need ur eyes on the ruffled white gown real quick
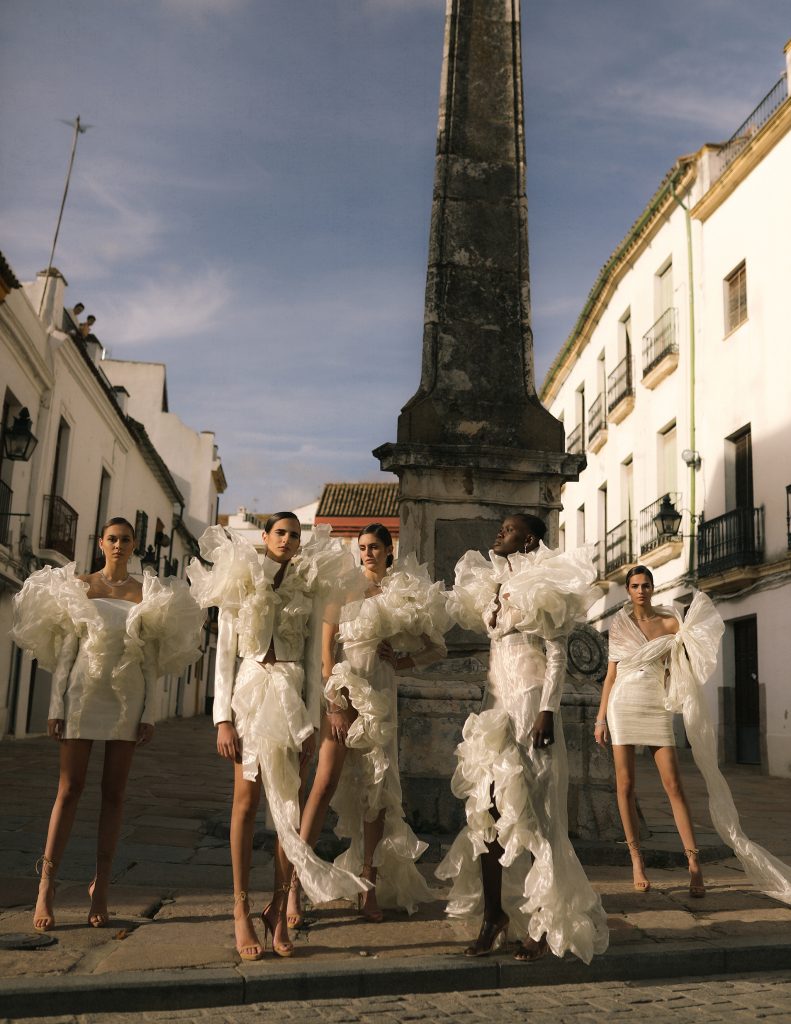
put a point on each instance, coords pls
(275, 707)
(105, 655)
(536, 599)
(691, 655)
(409, 612)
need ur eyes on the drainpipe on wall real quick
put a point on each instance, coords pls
(692, 445)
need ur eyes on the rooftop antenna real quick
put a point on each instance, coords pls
(79, 129)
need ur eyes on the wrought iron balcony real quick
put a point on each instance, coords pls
(618, 547)
(619, 384)
(6, 494)
(731, 541)
(576, 442)
(646, 527)
(597, 418)
(660, 340)
(58, 526)
(598, 558)
(776, 96)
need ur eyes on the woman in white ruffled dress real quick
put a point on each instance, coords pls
(512, 768)
(396, 621)
(106, 639)
(658, 665)
(267, 707)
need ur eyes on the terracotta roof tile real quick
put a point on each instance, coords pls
(373, 501)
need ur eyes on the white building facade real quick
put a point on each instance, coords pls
(675, 382)
(92, 460)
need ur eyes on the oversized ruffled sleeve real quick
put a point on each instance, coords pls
(51, 606)
(414, 608)
(234, 571)
(168, 621)
(328, 565)
(473, 591)
(547, 592)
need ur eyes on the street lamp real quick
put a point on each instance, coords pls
(668, 519)
(18, 440)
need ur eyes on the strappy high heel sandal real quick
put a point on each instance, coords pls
(368, 874)
(697, 890)
(643, 885)
(45, 869)
(248, 950)
(491, 935)
(96, 918)
(294, 920)
(529, 954)
(284, 949)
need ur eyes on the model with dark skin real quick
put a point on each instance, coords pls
(513, 536)
(112, 581)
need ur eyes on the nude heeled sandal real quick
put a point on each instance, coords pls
(697, 890)
(368, 874)
(249, 950)
(45, 869)
(284, 949)
(634, 847)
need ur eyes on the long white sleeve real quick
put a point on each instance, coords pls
(151, 678)
(60, 676)
(224, 668)
(554, 675)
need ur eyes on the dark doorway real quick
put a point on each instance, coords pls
(747, 705)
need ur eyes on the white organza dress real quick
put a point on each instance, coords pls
(691, 655)
(533, 601)
(275, 707)
(409, 612)
(105, 655)
(636, 709)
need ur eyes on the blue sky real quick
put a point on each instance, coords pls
(252, 204)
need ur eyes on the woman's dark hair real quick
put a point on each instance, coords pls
(536, 526)
(116, 521)
(639, 570)
(276, 519)
(380, 531)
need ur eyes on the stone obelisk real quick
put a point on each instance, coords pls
(474, 441)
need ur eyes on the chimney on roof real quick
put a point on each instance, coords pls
(122, 398)
(94, 348)
(51, 287)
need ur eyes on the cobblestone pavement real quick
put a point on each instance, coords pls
(727, 999)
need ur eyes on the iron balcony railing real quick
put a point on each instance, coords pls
(646, 528)
(59, 525)
(576, 442)
(731, 541)
(776, 96)
(597, 419)
(619, 383)
(618, 547)
(6, 494)
(660, 340)
(597, 557)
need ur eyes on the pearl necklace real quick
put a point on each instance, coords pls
(116, 583)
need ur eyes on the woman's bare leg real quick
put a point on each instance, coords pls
(667, 763)
(294, 908)
(115, 773)
(74, 756)
(372, 836)
(623, 757)
(275, 913)
(246, 797)
(328, 772)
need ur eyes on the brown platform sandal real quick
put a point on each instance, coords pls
(697, 890)
(284, 949)
(45, 869)
(248, 950)
(491, 935)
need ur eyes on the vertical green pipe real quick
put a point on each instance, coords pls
(692, 444)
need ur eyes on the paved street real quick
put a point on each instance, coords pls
(701, 1001)
(171, 929)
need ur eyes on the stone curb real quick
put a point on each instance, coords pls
(274, 982)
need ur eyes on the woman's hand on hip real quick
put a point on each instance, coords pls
(228, 741)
